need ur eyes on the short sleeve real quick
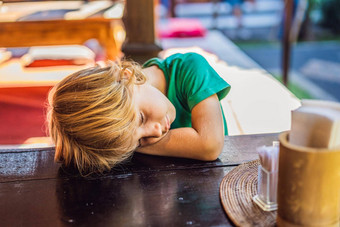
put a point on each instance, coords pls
(200, 80)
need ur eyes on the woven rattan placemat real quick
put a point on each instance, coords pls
(237, 190)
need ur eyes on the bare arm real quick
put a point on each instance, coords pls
(204, 141)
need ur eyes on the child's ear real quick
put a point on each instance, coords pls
(126, 74)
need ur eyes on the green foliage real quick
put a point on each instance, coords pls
(313, 4)
(330, 10)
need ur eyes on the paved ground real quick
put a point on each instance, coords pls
(316, 63)
(315, 66)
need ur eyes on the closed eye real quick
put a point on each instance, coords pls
(141, 118)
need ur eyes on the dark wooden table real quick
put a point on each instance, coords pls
(146, 191)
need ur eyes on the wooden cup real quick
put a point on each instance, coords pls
(308, 185)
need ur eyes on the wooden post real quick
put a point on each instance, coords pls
(172, 5)
(139, 20)
(286, 44)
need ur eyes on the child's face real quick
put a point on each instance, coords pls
(155, 112)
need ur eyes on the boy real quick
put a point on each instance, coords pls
(171, 107)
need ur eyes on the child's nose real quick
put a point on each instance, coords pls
(155, 130)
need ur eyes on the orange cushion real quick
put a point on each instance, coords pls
(58, 56)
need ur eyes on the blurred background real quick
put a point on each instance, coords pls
(41, 42)
(256, 27)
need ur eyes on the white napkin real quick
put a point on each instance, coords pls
(316, 124)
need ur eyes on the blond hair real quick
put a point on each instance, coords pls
(91, 116)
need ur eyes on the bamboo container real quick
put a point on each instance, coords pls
(308, 185)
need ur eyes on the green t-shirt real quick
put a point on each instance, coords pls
(190, 79)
